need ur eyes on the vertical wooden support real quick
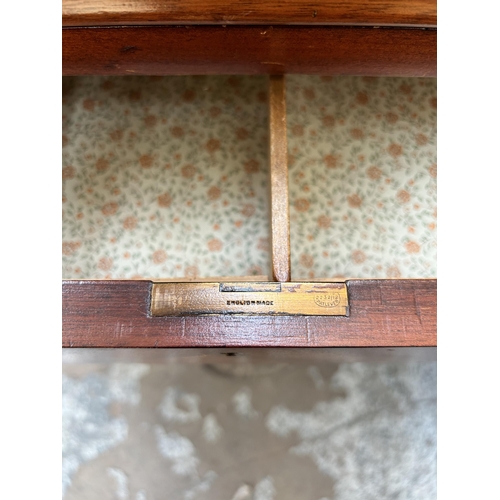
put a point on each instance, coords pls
(278, 167)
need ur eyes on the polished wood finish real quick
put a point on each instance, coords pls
(292, 36)
(170, 50)
(147, 12)
(383, 313)
(278, 181)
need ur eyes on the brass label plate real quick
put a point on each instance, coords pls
(249, 298)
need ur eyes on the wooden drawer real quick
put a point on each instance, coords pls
(383, 313)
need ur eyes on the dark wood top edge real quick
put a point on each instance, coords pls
(134, 23)
(234, 12)
(252, 26)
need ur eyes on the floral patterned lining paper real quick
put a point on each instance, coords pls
(362, 159)
(167, 177)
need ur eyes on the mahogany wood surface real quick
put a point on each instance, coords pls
(358, 12)
(278, 181)
(383, 313)
(183, 50)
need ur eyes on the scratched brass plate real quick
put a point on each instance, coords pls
(249, 298)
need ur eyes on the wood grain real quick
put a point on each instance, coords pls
(383, 313)
(357, 12)
(278, 181)
(170, 50)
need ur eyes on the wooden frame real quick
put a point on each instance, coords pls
(156, 37)
(386, 316)
(417, 13)
(383, 313)
(184, 50)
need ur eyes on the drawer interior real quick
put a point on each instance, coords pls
(167, 177)
(362, 172)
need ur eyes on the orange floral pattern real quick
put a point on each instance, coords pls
(167, 177)
(363, 176)
(164, 177)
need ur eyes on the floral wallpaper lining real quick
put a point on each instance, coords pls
(167, 177)
(164, 177)
(362, 166)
